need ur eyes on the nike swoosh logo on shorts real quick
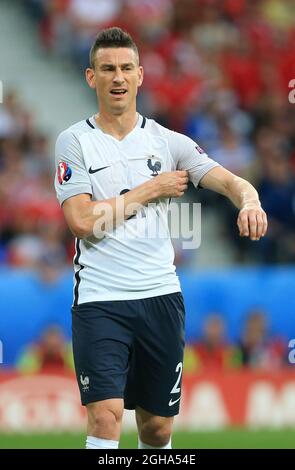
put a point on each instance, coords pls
(97, 169)
(171, 402)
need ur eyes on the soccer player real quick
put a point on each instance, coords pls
(116, 173)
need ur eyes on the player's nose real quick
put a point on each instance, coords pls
(118, 76)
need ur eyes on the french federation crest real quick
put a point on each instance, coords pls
(154, 167)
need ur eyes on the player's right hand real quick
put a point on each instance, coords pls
(171, 184)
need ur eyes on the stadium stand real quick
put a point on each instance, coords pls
(226, 67)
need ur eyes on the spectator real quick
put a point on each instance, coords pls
(212, 352)
(277, 194)
(232, 152)
(51, 354)
(259, 351)
(85, 18)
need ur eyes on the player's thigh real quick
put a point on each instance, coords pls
(101, 347)
(158, 356)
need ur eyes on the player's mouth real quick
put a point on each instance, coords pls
(118, 91)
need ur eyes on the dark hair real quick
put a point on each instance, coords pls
(111, 37)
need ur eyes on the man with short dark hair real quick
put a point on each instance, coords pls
(116, 173)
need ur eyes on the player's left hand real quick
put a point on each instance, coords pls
(252, 221)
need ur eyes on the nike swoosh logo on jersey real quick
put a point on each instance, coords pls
(97, 169)
(171, 402)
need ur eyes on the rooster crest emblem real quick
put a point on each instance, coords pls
(156, 167)
(85, 382)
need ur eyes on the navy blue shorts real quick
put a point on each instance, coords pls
(131, 349)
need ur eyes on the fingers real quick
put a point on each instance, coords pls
(183, 179)
(182, 172)
(180, 190)
(243, 224)
(253, 226)
(175, 176)
(172, 184)
(261, 225)
(264, 226)
(182, 176)
(182, 187)
(252, 223)
(181, 183)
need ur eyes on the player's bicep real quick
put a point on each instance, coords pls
(189, 156)
(74, 209)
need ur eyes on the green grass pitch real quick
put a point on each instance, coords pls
(226, 439)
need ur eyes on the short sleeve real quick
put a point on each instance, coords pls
(71, 176)
(187, 155)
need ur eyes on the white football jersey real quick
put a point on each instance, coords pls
(135, 259)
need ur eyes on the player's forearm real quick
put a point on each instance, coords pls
(242, 193)
(95, 217)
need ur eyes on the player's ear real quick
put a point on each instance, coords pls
(140, 75)
(90, 77)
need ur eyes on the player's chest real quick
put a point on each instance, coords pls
(115, 166)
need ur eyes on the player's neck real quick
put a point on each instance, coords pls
(117, 126)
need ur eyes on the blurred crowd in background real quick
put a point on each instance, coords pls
(212, 351)
(215, 70)
(255, 349)
(33, 232)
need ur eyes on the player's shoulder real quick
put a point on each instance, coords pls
(173, 137)
(75, 131)
(154, 127)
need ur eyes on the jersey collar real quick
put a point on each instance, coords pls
(141, 120)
